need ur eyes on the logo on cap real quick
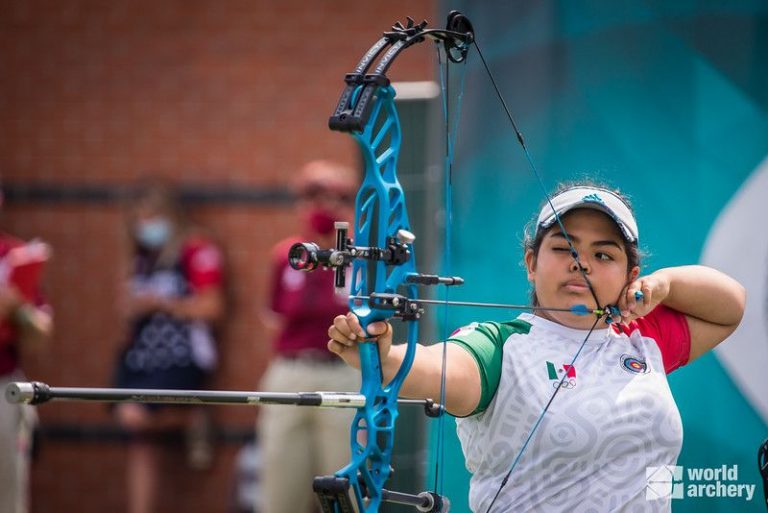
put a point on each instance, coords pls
(593, 198)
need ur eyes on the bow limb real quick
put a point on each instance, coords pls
(381, 214)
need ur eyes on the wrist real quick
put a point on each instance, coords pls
(663, 286)
(168, 306)
(391, 362)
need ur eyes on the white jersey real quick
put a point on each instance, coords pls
(613, 417)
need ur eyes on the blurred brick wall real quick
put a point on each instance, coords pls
(209, 93)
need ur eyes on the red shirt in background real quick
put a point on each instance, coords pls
(306, 301)
(202, 263)
(9, 351)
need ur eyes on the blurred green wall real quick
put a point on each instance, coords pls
(667, 101)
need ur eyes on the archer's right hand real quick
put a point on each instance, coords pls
(346, 333)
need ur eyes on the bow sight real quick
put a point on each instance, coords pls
(308, 256)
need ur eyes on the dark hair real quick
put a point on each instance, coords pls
(160, 195)
(533, 236)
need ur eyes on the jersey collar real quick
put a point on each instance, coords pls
(598, 335)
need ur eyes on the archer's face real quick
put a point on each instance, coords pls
(557, 279)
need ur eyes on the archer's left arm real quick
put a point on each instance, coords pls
(712, 302)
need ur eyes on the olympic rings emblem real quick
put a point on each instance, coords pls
(566, 383)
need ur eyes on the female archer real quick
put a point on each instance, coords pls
(615, 416)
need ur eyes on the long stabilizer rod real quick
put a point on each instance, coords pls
(35, 392)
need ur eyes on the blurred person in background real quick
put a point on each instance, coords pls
(173, 299)
(25, 320)
(300, 443)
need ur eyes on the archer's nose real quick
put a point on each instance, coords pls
(584, 265)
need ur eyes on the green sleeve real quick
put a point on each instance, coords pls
(485, 342)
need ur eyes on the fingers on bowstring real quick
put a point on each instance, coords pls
(636, 301)
(629, 300)
(639, 297)
(633, 297)
(647, 292)
(623, 304)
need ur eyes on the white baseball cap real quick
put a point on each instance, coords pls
(594, 198)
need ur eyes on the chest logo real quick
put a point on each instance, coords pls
(563, 376)
(634, 365)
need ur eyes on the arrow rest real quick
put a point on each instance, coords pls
(405, 309)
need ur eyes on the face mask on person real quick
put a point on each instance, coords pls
(321, 221)
(153, 233)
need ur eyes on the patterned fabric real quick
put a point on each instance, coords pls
(161, 347)
(614, 417)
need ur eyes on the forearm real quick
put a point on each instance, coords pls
(272, 322)
(207, 305)
(704, 293)
(425, 379)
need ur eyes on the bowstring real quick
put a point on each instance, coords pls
(574, 255)
(450, 142)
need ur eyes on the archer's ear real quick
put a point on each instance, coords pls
(530, 264)
(633, 274)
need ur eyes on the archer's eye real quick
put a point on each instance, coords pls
(562, 248)
(604, 256)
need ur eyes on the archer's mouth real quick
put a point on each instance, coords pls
(576, 286)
